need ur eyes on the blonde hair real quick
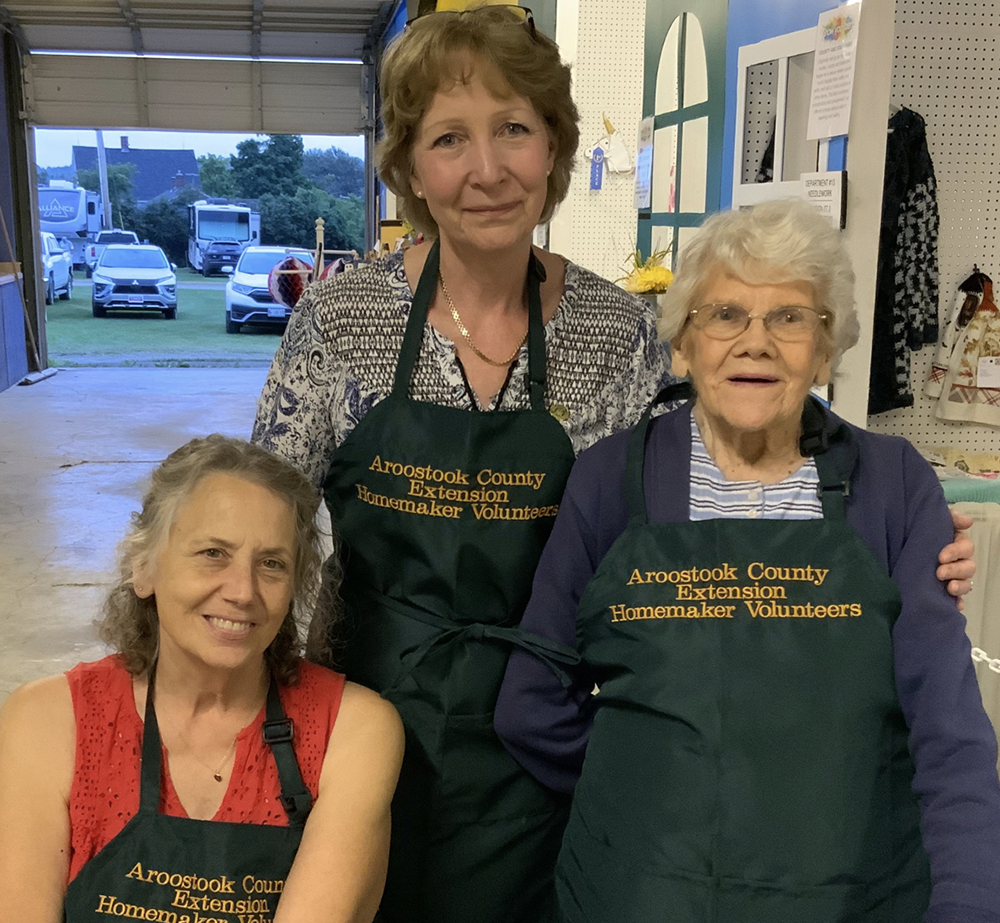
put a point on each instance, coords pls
(129, 624)
(784, 240)
(440, 49)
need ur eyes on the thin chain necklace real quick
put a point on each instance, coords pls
(468, 338)
(217, 772)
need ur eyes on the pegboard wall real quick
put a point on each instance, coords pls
(607, 79)
(761, 107)
(946, 67)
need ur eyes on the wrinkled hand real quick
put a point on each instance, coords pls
(957, 567)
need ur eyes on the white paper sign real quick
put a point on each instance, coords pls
(827, 193)
(644, 165)
(833, 72)
(988, 372)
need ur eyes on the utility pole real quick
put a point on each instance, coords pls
(102, 172)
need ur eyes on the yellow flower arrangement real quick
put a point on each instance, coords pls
(649, 276)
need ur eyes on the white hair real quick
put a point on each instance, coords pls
(785, 240)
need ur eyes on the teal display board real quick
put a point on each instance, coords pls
(709, 32)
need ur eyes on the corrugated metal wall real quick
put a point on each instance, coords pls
(81, 91)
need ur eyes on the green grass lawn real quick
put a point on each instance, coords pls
(197, 337)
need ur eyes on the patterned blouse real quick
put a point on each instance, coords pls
(338, 356)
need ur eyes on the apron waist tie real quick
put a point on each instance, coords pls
(554, 655)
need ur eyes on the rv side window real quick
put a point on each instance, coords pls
(91, 208)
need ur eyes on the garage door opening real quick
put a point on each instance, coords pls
(165, 263)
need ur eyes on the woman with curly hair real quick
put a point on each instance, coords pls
(251, 784)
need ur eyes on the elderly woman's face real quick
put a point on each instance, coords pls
(755, 381)
(224, 578)
(482, 163)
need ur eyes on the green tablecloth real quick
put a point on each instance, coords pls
(972, 490)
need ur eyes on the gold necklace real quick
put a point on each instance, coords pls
(468, 338)
(217, 772)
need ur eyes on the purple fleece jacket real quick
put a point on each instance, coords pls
(898, 508)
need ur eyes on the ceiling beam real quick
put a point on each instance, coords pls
(255, 28)
(9, 24)
(130, 20)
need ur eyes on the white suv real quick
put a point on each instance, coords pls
(248, 300)
(92, 252)
(57, 268)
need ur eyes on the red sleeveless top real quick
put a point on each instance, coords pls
(105, 791)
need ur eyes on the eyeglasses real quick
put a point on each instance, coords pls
(792, 323)
(520, 13)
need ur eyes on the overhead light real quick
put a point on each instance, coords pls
(193, 57)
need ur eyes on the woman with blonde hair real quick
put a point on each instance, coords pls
(439, 396)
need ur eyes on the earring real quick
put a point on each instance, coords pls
(420, 195)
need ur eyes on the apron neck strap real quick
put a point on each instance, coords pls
(152, 754)
(635, 453)
(277, 733)
(833, 488)
(536, 333)
(414, 334)
(424, 296)
(834, 485)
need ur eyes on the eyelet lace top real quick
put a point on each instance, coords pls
(105, 791)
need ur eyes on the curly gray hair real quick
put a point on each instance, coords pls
(130, 625)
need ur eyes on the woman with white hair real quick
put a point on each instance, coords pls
(787, 725)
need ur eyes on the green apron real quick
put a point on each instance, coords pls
(749, 760)
(194, 871)
(443, 514)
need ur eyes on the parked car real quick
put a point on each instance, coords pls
(220, 256)
(134, 277)
(248, 300)
(57, 268)
(92, 252)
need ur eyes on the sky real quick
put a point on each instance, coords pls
(54, 146)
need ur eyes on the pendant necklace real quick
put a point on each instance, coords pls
(217, 772)
(468, 338)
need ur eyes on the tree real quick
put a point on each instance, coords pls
(273, 166)
(121, 191)
(290, 221)
(41, 176)
(335, 171)
(165, 224)
(216, 176)
(352, 210)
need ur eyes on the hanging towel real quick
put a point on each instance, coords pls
(970, 391)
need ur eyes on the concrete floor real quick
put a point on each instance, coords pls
(75, 452)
